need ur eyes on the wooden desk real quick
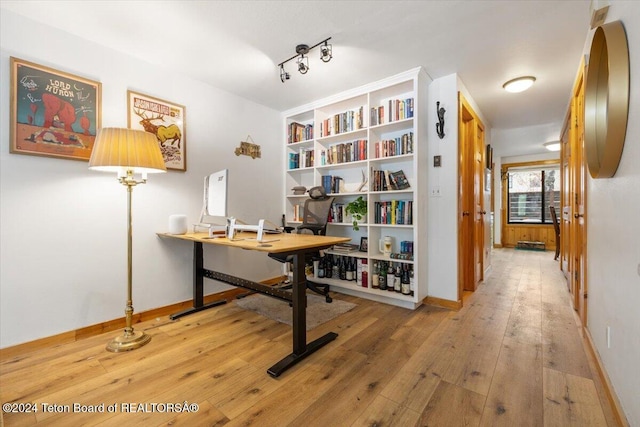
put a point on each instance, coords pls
(296, 245)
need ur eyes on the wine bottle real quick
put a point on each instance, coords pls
(365, 274)
(390, 275)
(348, 269)
(397, 279)
(382, 277)
(342, 268)
(376, 274)
(328, 267)
(406, 290)
(411, 282)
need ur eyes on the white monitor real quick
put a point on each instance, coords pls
(214, 202)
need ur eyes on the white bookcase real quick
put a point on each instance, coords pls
(308, 158)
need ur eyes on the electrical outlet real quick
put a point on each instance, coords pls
(435, 191)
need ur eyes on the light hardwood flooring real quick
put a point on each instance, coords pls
(513, 356)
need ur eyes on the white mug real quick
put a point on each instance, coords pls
(386, 245)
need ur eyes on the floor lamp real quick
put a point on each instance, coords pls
(127, 152)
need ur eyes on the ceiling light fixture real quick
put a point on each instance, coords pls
(552, 145)
(283, 74)
(519, 84)
(326, 53)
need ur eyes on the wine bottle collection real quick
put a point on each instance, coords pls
(385, 276)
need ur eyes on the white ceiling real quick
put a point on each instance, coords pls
(237, 45)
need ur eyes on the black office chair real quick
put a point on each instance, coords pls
(315, 219)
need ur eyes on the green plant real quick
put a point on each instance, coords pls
(357, 209)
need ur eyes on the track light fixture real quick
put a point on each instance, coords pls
(303, 64)
(302, 51)
(283, 74)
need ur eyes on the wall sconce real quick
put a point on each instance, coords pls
(326, 53)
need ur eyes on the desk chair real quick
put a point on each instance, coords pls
(556, 228)
(316, 217)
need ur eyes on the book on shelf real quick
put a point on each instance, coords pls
(347, 121)
(384, 180)
(345, 152)
(346, 248)
(331, 184)
(390, 111)
(399, 180)
(394, 147)
(393, 212)
(297, 132)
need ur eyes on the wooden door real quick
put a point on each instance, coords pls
(470, 198)
(566, 200)
(478, 200)
(574, 204)
(579, 211)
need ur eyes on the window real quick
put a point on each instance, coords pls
(531, 192)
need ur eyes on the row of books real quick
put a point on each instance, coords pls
(394, 147)
(384, 180)
(331, 184)
(344, 153)
(297, 132)
(302, 159)
(342, 122)
(391, 111)
(393, 212)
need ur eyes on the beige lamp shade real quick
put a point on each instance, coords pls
(119, 150)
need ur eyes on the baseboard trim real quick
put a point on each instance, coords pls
(115, 324)
(618, 413)
(444, 303)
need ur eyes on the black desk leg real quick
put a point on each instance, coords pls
(198, 285)
(300, 347)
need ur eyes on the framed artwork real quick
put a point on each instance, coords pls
(53, 113)
(489, 157)
(166, 120)
(364, 244)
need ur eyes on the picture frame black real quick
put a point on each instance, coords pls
(364, 244)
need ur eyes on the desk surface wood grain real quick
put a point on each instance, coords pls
(273, 243)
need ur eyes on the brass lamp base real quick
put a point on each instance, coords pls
(128, 341)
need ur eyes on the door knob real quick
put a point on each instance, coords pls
(482, 212)
(576, 215)
(465, 213)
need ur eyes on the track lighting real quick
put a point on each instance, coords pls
(325, 52)
(283, 74)
(302, 51)
(303, 64)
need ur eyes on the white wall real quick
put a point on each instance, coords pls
(442, 211)
(63, 227)
(613, 243)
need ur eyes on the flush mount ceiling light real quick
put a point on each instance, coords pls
(302, 61)
(519, 84)
(552, 145)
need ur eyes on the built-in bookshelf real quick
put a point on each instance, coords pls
(368, 142)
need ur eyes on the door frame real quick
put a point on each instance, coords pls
(471, 200)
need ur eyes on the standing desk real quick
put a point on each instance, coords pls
(296, 245)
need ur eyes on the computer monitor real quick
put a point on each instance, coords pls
(214, 201)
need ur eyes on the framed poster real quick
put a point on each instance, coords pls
(53, 113)
(166, 120)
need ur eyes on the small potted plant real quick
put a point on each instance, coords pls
(358, 210)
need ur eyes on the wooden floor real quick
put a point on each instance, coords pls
(513, 356)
